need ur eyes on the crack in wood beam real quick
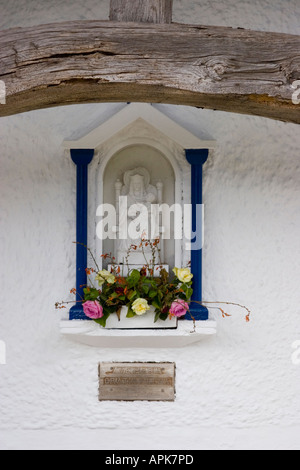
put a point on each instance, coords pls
(231, 70)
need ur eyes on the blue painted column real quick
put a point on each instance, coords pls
(197, 158)
(82, 158)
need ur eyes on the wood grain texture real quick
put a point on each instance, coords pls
(141, 11)
(219, 68)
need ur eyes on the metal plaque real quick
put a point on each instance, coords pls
(134, 381)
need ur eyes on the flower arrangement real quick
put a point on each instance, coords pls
(139, 290)
(108, 292)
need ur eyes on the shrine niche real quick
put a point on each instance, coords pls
(133, 184)
(139, 176)
(140, 196)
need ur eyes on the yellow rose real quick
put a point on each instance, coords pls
(105, 275)
(140, 306)
(183, 274)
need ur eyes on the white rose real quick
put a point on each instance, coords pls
(105, 275)
(140, 306)
(183, 274)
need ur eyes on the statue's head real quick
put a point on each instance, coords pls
(137, 185)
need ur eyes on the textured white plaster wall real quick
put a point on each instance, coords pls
(239, 389)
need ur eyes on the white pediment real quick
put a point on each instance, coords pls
(149, 113)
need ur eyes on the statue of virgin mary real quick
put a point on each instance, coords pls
(136, 220)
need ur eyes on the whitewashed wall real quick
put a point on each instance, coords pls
(239, 389)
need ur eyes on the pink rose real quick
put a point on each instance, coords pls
(93, 310)
(179, 308)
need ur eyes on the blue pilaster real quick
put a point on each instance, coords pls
(82, 158)
(197, 158)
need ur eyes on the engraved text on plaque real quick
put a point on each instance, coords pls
(136, 381)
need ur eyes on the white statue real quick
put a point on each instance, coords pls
(138, 220)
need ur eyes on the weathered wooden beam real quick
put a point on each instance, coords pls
(141, 11)
(92, 61)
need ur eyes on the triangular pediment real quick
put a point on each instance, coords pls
(182, 135)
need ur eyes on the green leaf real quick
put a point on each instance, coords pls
(164, 316)
(184, 287)
(146, 289)
(152, 293)
(131, 294)
(101, 321)
(91, 294)
(130, 313)
(114, 295)
(157, 315)
(189, 293)
(134, 278)
(156, 304)
(160, 295)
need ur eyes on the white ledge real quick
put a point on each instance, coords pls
(90, 333)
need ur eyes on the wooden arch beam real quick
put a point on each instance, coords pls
(220, 68)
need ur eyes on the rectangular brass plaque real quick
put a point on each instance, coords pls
(134, 381)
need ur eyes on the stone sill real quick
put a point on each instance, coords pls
(90, 333)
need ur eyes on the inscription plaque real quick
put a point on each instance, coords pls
(135, 381)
